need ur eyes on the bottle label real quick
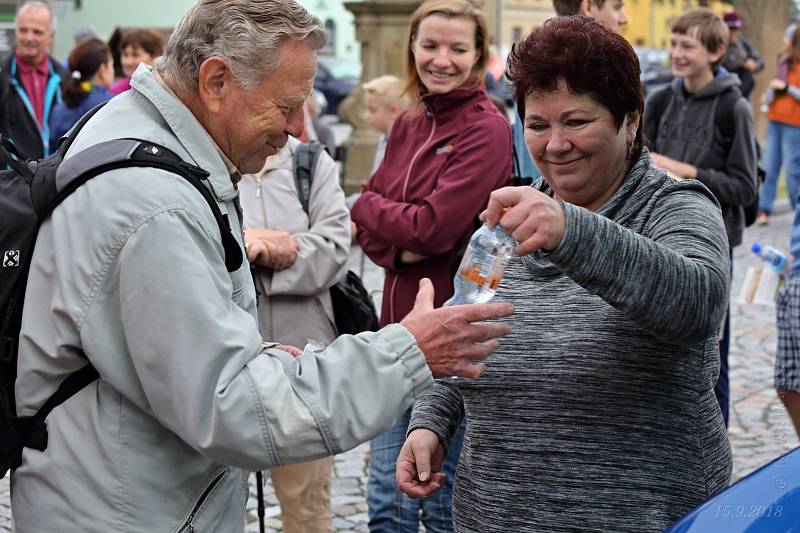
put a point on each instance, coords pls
(481, 268)
(472, 273)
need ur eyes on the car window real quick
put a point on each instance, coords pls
(340, 68)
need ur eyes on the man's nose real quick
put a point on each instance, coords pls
(295, 123)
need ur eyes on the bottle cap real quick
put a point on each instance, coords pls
(756, 248)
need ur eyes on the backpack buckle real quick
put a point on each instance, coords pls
(32, 432)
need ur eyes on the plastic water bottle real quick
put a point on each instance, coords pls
(482, 267)
(772, 258)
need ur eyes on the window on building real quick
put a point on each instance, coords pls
(516, 34)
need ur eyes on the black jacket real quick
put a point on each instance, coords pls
(16, 122)
(686, 131)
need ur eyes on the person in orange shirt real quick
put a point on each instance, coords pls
(783, 132)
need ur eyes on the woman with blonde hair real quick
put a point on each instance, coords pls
(443, 158)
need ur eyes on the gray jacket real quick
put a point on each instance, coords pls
(299, 294)
(686, 131)
(130, 270)
(597, 412)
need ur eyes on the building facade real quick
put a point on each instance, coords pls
(107, 15)
(650, 20)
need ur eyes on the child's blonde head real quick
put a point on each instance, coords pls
(387, 90)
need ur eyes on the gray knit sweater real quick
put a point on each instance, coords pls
(598, 413)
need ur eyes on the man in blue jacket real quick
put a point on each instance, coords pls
(30, 81)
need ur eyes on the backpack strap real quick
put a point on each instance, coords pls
(724, 115)
(659, 100)
(658, 103)
(33, 429)
(303, 164)
(127, 153)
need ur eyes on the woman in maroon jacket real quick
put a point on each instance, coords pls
(415, 215)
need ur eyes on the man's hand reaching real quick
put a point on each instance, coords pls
(455, 339)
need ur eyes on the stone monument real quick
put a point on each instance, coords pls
(381, 27)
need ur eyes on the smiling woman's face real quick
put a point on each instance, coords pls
(577, 146)
(444, 52)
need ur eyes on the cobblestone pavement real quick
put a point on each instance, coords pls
(760, 429)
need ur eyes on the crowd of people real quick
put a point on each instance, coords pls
(605, 400)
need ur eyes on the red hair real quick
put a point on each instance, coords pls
(591, 59)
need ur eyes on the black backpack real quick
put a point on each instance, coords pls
(353, 309)
(29, 192)
(723, 118)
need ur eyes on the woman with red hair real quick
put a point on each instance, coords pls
(598, 411)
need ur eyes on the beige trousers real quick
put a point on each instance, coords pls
(304, 492)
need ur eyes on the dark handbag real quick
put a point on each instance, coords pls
(353, 309)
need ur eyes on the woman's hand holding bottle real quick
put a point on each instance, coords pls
(533, 219)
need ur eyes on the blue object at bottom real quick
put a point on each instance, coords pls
(768, 500)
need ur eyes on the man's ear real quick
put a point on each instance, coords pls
(583, 8)
(214, 82)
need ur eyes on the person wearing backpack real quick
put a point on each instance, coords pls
(135, 274)
(700, 127)
(297, 256)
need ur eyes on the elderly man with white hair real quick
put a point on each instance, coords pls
(30, 81)
(129, 274)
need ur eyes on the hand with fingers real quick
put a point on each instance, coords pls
(271, 248)
(455, 339)
(530, 217)
(409, 258)
(417, 472)
(293, 351)
(677, 169)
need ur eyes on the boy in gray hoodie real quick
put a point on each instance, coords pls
(692, 139)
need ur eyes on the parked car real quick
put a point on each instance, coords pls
(655, 68)
(335, 78)
(768, 500)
